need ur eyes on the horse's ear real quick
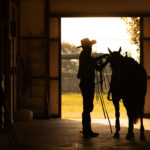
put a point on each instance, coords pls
(120, 50)
(109, 51)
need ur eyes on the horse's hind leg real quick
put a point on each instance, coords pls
(130, 133)
(117, 114)
(142, 135)
(129, 108)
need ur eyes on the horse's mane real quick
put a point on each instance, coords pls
(130, 61)
(125, 63)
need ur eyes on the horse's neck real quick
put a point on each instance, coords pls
(118, 69)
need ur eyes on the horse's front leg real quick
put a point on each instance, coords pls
(117, 114)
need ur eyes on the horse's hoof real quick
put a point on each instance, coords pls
(142, 137)
(130, 136)
(116, 135)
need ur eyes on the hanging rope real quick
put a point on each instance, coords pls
(100, 92)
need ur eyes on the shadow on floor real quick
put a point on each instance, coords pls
(60, 134)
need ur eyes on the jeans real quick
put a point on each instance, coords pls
(87, 90)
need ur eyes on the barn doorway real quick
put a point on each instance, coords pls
(113, 32)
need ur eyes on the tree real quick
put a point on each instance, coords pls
(67, 48)
(69, 65)
(133, 28)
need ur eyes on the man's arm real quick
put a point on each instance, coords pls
(101, 57)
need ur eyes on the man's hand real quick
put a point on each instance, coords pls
(105, 55)
(109, 96)
(101, 57)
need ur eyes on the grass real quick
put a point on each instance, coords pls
(72, 107)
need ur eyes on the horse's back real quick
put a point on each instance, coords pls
(131, 79)
(136, 76)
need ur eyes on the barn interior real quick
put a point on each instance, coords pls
(30, 68)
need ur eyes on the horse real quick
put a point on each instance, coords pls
(129, 83)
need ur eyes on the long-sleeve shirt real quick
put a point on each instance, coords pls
(87, 66)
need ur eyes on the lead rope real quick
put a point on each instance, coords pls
(110, 99)
(100, 96)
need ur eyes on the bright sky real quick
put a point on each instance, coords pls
(108, 32)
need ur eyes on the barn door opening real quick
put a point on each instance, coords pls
(108, 32)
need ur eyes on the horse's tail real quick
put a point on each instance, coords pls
(140, 96)
(135, 114)
(135, 117)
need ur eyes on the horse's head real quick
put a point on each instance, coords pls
(115, 57)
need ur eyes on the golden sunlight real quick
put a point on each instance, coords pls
(108, 32)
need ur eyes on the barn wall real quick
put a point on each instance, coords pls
(146, 59)
(99, 7)
(32, 58)
(40, 43)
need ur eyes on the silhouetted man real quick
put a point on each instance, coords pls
(86, 74)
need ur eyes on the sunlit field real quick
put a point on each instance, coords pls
(72, 107)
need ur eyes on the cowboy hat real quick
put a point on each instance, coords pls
(86, 41)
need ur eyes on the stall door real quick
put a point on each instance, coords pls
(32, 58)
(38, 59)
